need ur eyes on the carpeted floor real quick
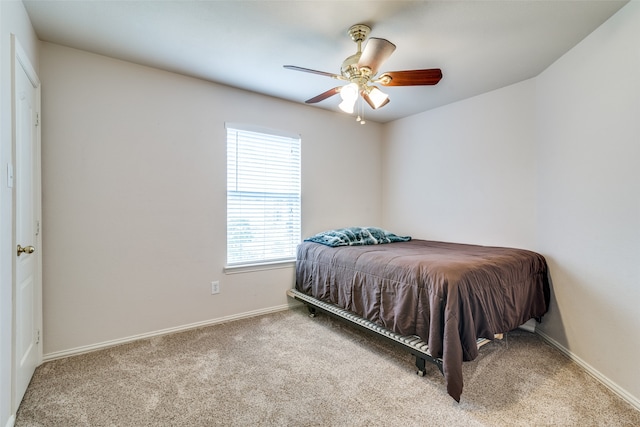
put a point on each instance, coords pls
(286, 369)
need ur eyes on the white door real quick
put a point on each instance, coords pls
(27, 292)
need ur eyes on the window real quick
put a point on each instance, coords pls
(263, 195)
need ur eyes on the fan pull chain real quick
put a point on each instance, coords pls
(360, 117)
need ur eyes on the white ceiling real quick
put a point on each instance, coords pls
(479, 45)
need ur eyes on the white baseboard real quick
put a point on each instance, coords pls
(11, 421)
(633, 401)
(99, 346)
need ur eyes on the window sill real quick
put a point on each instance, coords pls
(248, 268)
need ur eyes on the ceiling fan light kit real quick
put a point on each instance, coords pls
(349, 95)
(361, 69)
(375, 97)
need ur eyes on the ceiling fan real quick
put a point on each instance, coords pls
(361, 69)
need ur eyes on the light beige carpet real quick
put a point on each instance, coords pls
(286, 369)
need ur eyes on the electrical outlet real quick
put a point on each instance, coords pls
(215, 287)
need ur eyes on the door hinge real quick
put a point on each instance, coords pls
(37, 119)
(38, 228)
(38, 336)
(9, 175)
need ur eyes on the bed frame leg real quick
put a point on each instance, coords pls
(312, 311)
(420, 364)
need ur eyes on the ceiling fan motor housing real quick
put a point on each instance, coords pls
(350, 69)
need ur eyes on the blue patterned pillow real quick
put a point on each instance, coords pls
(356, 236)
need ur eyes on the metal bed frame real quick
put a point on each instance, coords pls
(414, 344)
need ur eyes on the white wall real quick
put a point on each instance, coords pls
(133, 169)
(134, 164)
(465, 172)
(550, 164)
(13, 20)
(589, 193)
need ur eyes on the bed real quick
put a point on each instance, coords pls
(435, 297)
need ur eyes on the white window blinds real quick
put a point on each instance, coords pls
(263, 195)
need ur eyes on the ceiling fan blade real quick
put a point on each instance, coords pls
(375, 53)
(324, 95)
(308, 70)
(410, 77)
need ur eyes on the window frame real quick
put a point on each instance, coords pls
(236, 266)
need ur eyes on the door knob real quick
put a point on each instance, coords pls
(26, 249)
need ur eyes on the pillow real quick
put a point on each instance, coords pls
(356, 236)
